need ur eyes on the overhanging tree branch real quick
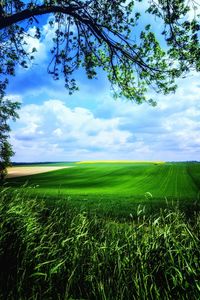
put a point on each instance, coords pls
(9, 20)
(106, 29)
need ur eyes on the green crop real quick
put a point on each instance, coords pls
(117, 188)
(58, 252)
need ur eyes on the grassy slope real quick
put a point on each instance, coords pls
(114, 187)
(56, 253)
(60, 253)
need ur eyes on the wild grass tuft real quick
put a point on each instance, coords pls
(61, 253)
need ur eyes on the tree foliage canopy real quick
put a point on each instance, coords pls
(7, 111)
(94, 34)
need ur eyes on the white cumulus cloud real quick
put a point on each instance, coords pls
(61, 133)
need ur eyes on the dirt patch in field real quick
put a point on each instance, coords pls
(24, 171)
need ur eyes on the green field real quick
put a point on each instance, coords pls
(105, 231)
(117, 187)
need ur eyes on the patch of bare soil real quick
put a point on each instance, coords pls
(24, 171)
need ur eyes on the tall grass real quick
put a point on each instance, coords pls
(61, 253)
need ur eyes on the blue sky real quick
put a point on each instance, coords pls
(91, 125)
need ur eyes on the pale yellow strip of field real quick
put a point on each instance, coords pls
(24, 171)
(119, 162)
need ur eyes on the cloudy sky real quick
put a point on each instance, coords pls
(91, 125)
